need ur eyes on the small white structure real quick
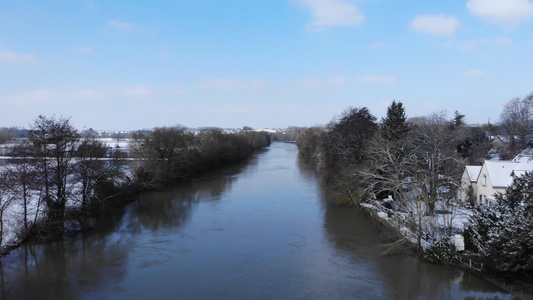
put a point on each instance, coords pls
(459, 242)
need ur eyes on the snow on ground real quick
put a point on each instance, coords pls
(13, 215)
(447, 221)
(458, 217)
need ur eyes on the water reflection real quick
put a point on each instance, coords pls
(63, 269)
(71, 268)
(357, 237)
(173, 208)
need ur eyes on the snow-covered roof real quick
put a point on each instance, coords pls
(504, 138)
(525, 152)
(500, 172)
(517, 173)
(525, 163)
(473, 172)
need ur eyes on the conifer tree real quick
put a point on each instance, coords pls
(394, 126)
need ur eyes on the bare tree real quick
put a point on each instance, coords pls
(309, 142)
(391, 156)
(391, 169)
(7, 196)
(516, 119)
(54, 141)
(93, 167)
(27, 183)
(437, 163)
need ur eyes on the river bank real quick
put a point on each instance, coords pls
(506, 282)
(136, 177)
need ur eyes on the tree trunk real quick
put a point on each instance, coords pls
(56, 219)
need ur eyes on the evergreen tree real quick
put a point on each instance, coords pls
(501, 233)
(394, 126)
(458, 120)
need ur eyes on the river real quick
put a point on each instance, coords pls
(257, 230)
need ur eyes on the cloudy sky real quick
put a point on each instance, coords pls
(128, 65)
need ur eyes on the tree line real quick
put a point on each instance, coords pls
(170, 154)
(418, 162)
(371, 160)
(58, 181)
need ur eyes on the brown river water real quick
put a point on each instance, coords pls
(259, 230)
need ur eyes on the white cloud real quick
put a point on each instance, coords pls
(375, 79)
(336, 81)
(332, 81)
(14, 57)
(506, 12)
(435, 24)
(328, 13)
(311, 82)
(162, 54)
(139, 90)
(84, 49)
(178, 89)
(473, 73)
(89, 5)
(70, 93)
(475, 44)
(430, 107)
(85, 94)
(229, 84)
(230, 109)
(501, 41)
(39, 96)
(376, 46)
(124, 26)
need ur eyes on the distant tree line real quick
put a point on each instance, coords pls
(62, 180)
(170, 154)
(7, 134)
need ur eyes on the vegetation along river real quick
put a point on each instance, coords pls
(258, 230)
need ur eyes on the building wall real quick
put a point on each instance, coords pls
(465, 183)
(485, 191)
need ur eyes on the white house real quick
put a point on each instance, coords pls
(470, 176)
(494, 177)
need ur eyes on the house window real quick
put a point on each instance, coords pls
(484, 180)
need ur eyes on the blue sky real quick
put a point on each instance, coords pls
(126, 65)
